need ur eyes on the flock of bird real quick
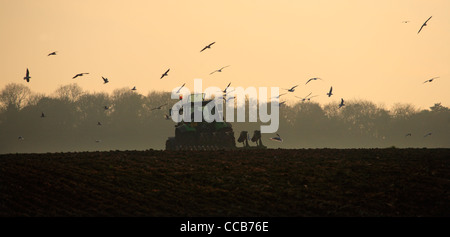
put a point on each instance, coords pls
(330, 92)
(106, 80)
(429, 80)
(292, 89)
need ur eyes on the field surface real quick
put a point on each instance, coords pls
(241, 183)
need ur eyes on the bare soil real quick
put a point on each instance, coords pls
(240, 183)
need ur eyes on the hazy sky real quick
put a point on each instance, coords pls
(361, 48)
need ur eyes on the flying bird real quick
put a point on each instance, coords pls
(227, 99)
(405, 21)
(330, 92)
(313, 79)
(80, 74)
(342, 103)
(292, 89)
(207, 46)
(105, 80)
(307, 97)
(281, 103)
(277, 97)
(219, 70)
(159, 107)
(277, 138)
(165, 74)
(430, 80)
(428, 134)
(224, 91)
(52, 53)
(27, 76)
(424, 24)
(178, 91)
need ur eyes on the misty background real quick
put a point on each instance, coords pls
(72, 118)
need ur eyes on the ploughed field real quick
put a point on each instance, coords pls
(240, 183)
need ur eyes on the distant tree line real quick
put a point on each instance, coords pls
(71, 119)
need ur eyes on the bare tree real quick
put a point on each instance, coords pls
(15, 96)
(403, 111)
(70, 92)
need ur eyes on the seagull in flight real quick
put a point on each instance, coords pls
(165, 74)
(330, 92)
(227, 99)
(292, 89)
(342, 103)
(430, 80)
(159, 107)
(424, 24)
(311, 79)
(178, 91)
(277, 97)
(80, 74)
(304, 98)
(225, 91)
(277, 138)
(207, 46)
(219, 70)
(307, 97)
(428, 134)
(27, 76)
(52, 53)
(105, 80)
